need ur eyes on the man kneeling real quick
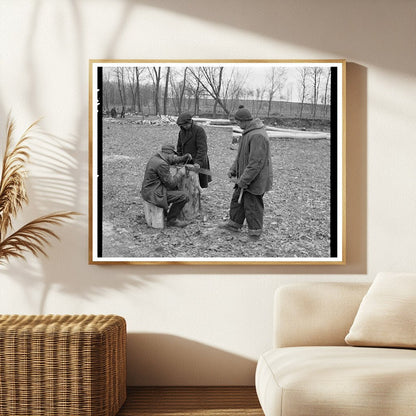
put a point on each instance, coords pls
(160, 187)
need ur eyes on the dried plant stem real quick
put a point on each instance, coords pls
(34, 236)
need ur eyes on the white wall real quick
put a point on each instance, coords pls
(204, 324)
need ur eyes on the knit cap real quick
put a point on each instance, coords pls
(242, 114)
(184, 118)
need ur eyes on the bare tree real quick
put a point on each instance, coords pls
(197, 93)
(234, 88)
(165, 95)
(196, 89)
(138, 72)
(257, 102)
(303, 74)
(156, 75)
(178, 85)
(327, 93)
(120, 75)
(211, 80)
(182, 90)
(131, 78)
(276, 79)
(315, 74)
(108, 91)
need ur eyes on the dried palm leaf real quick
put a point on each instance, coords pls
(33, 237)
(12, 183)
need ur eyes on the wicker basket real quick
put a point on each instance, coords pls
(72, 365)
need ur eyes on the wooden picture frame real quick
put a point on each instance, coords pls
(134, 105)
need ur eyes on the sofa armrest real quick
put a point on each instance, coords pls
(308, 314)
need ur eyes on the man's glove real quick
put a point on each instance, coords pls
(197, 166)
(188, 156)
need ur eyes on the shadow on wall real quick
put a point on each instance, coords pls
(60, 182)
(161, 359)
(53, 187)
(332, 27)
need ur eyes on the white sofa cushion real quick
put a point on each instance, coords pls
(386, 316)
(341, 381)
(315, 313)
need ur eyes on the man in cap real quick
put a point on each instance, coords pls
(252, 174)
(160, 187)
(193, 139)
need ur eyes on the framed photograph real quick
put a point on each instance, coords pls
(217, 162)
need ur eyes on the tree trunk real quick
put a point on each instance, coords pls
(153, 215)
(165, 96)
(182, 91)
(157, 71)
(190, 184)
(196, 103)
(139, 105)
(328, 77)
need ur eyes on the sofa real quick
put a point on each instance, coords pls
(342, 349)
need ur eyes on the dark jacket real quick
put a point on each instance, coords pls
(194, 141)
(253, 164)
(158, 179)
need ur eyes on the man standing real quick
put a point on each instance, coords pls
(160, 188)
(252, 174)
(193, 139)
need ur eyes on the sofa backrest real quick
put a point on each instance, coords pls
(308, 314)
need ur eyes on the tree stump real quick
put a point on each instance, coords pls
(155, 217)
(190, 184)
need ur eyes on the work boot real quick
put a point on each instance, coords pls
(177, 223)
(227, 226)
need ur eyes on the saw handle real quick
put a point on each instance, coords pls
(240, 198)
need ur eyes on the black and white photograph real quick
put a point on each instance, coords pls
(217, 162)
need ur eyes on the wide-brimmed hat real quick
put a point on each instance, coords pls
(169, 148)
(184, 118)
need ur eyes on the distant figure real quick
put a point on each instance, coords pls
(193, 139)
(123, 113)
(252, 174)
(160, 187)
(113, 112)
